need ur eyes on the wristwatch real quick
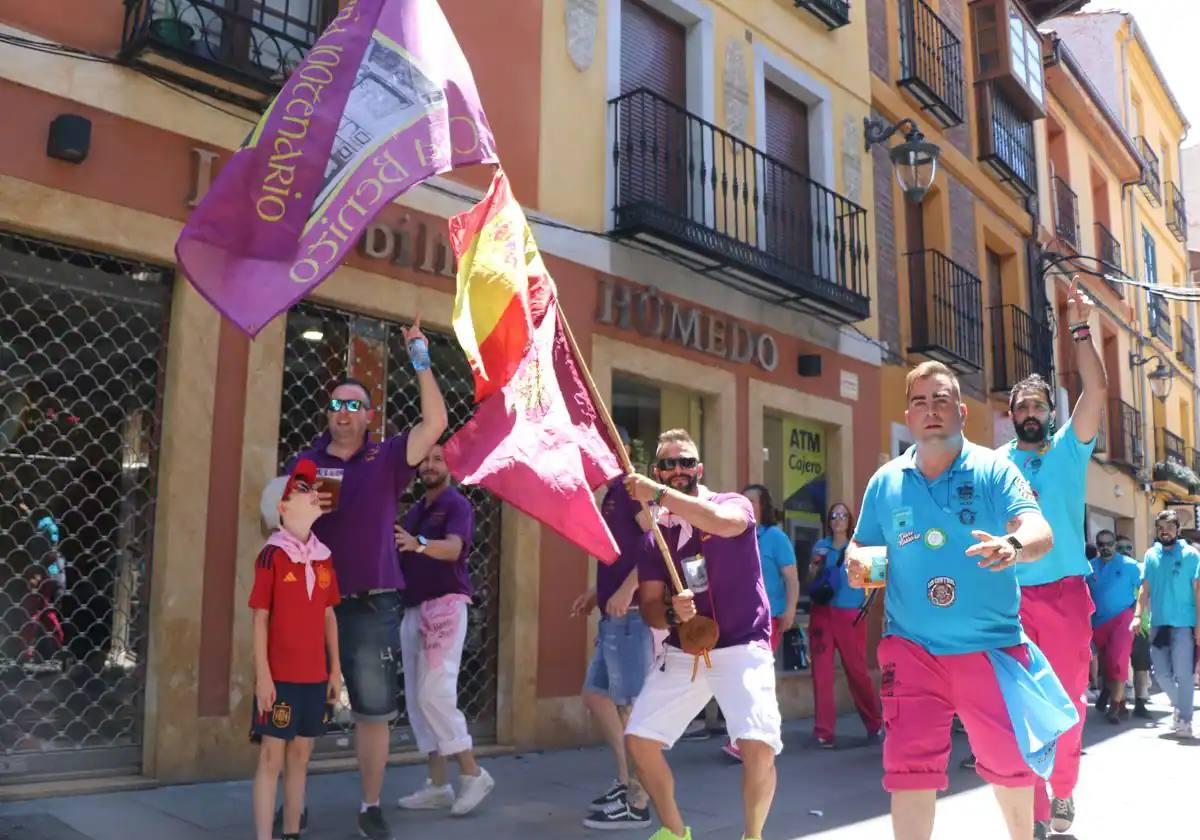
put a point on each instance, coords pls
(1017, 547)
(422, 544)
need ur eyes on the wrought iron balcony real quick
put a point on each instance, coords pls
(832, 13)
(1108, 249)
(209, 43)
(947, 314)
(1170, 447)
(1160, 320)
(1125, 424)
(1021, 346)
(1151, 184)
(724, 206)
(1006, 141)
(1187, 344)
(1066, 212)
(1176, 213)
(931, 62)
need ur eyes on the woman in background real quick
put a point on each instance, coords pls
(833, 626)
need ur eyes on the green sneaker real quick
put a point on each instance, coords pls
(665, 833)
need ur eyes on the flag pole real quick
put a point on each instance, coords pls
(615, 440)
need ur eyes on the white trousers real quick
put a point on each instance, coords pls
(431, 694)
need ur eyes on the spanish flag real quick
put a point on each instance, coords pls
(499, 270)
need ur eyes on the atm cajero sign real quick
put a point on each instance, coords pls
(654, 316)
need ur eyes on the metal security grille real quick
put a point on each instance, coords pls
(82, 346)
(325, 344)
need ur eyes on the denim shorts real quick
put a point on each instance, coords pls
(369, 642)
(622, 658)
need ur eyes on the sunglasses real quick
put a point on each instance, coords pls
(841, 514)
(667, 464)
(1105, 545)
(353, 406)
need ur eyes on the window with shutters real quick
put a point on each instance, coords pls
(1008, 54)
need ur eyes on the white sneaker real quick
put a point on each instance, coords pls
(1184, 729)
(1175, 719)
(472, 791)
(428, 798)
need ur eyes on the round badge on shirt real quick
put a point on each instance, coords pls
(941, 591)
(935, 538)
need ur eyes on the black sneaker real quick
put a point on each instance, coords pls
(1062, 814)
(1102, 700)
(1140, 710)
(1041, 830)
(968, 763)
(373, 826)
(277, 826)
(616, 793)
(614, 819)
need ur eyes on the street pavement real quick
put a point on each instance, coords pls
(1136, 782)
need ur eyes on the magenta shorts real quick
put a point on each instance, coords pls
(1114, 645)
(921, 695)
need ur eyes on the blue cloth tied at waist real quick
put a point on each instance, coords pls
(1037, 703)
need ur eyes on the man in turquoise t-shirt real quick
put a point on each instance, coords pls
(1114, 585)
(1171, 591)
(1055, 603)
(955, 519)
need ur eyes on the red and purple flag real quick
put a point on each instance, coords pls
(383, 100)
(537, 442)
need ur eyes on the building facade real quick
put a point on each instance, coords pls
(696, 175)
(1113, 53)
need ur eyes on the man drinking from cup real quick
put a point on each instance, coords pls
(955, 518)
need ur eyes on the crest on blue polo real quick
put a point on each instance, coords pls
(280, 488)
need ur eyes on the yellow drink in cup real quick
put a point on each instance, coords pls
(877, 557)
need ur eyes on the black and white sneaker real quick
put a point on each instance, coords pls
(616, 793)
(620, 816)
(373, 826)
(277, 825)
(1062, 814)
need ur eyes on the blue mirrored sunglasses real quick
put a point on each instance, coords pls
(353, 406)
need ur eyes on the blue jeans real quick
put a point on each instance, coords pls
(623, 657)
(1173, 667)
(369, 643)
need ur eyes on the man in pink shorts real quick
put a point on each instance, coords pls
(1114, 585)
(955, 519)
(1056, 607)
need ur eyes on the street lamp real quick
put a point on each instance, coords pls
(914, 160)
(1161, 378)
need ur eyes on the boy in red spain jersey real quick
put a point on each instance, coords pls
(295, 649)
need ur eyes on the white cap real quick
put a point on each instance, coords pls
(268, 505)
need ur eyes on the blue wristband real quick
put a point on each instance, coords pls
(418, 354)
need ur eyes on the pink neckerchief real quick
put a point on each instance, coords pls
(305, 553)
(666, 519)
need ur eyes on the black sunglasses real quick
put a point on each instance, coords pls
(665, 464)
(1105, 544)
(353, 406)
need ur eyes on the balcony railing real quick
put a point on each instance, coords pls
(947, 318)
(931, 62)
(253, 42)
(1170, 447)
(1176, 213)
(1066, 212)
(725, 206)
(1108, 249)
(832, 13)
(1151, 185)
(1187, 345)
(1021, 346)
(1160, 320)
(1006, 141)
(1125, 424)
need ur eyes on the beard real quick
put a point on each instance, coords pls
(431, 481)
(1167, 542)
(1030, 431)
(687, 485)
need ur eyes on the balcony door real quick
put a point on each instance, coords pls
(787, 211)
(652, 120)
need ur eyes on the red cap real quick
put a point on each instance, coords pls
(306, 471)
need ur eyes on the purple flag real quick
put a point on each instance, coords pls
(382, 101)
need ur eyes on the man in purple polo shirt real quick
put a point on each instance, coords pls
(434, 540)
(372, 476)
(714, 546)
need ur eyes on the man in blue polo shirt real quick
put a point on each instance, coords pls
(1171, 591)
(955, 519)
(1056, 606)
(1114, 585)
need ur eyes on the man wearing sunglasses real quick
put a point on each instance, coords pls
(359, 531)
(1056, 606)
(1114, 586)
(713, 544)
(1171, 593)
(1139, 659)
